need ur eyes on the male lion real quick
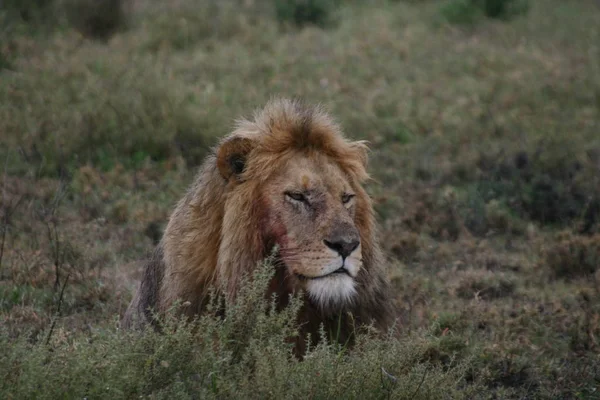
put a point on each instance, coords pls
(288, 178)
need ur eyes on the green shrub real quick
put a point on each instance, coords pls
(93, 18)
(304, 12)
(27, 11)
(5, 62)
(192, 22)
(502, 9)
(461, 12)
(553, 184)
(468, 12)
(573, 256)
(483, 284)
(243, 355)
(96, 18)
(98, 110)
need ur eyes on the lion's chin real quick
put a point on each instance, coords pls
(331, 293)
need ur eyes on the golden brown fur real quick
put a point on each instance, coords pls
(286, 178)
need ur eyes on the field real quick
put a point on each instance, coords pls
(485, 139)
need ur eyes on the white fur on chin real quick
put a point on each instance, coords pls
(332, 292)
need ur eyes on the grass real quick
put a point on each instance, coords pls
(469, 12)
(485, 165)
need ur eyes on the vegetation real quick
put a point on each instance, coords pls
(468, 12)
(485, 161)
(302, 12)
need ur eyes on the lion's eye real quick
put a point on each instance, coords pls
(297, 196)
(346, 197)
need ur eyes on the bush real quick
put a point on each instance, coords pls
(5, 60)
(100, 110)
(27, 11)
(405, 246)
(486, 285)
(191, 22)
(304, 12)
(461, 12)
(244, 355)
(468, 12)
(23, 18)
(573, 256)
(96, 18)
(502, 9)
(553, 185)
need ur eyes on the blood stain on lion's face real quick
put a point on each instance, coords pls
(311, 218)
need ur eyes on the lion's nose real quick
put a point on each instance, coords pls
(343, 247)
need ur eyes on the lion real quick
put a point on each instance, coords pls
(288, 178)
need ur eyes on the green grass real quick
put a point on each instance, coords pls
(243, 355)
(485, 164)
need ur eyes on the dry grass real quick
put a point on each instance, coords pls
(485, 160)
(573, 256)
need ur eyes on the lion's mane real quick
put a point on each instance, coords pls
(213, 236)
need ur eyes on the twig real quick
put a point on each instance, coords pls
(60, 301)
(7, 211)
(391, 378)
(50, 219)
(5, 216)
(420, 384)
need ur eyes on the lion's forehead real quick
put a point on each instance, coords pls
(315, 173)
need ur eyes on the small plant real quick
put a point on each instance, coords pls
(461, 12)
(502, 9)
(468, 12)
(5, 61)
(553, 185)
(485, 285)
(8, 206)
(115, 118)
(96, 18)
(93, 18)
(28, 16)
(27, 10)
(194, 23)
(304, 12)
(241, 354)
(406, 246)
(573, 256)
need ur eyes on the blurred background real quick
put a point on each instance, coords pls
(484, 122)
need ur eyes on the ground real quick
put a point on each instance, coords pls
(486, 180)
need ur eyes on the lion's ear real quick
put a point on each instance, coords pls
(362, 151)
(231, 156)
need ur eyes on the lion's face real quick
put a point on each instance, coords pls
(311, 211)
